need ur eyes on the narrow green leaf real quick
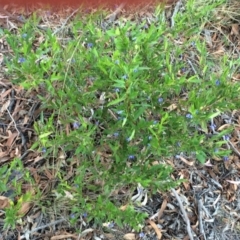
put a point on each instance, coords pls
(116, 101)
(45, 135)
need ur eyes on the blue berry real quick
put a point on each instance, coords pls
(189, 116)
(217, 82)
(76, 125)
(89, 45)
(141, 234)
(225, 158)
(131, 157)
(21, 60)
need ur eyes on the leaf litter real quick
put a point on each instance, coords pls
(208, 201)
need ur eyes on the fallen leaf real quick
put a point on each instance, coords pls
(1, 58)
(11, 138)
(2, 16)
(186, 161)
(62, 155)
(4, 202)
(123, 208)
(26, 206)
(163, 207)
(109, 236)
(235, 29)
(5, 158)
(37, 159)
(224, 127)
(220, 51)
(155, 227)
(2, 97)
(5, 106)
(129, 236)
(234, 182)
(208, 38)
(68, 195)
(236, 77)
(155, 163)
(208, 164)
(86, 231)
(172, 107)
(63, 236)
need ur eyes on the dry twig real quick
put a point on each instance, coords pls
(9, 15)
(185, 217)
(233, 148)
(199, 201)
(176, 9)
(112, 16)
(28, 233)
(66, 21)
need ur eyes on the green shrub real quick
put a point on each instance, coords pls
(130, 96)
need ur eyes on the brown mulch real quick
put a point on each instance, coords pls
(210, 196)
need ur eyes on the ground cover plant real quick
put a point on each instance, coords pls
(117, 102)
